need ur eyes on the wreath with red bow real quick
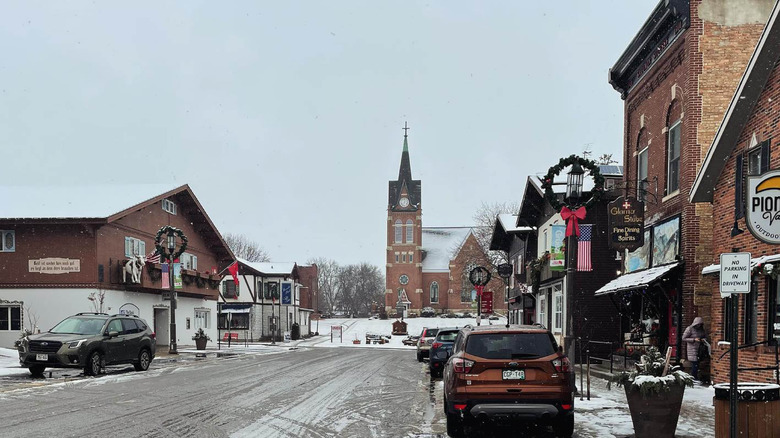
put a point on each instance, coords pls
(158, 242)
(595, 173)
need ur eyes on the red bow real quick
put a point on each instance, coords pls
(573, 219)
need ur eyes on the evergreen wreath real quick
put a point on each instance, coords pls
(595, 173)
(158, 242)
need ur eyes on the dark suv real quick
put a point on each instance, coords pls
(508, 372)
(90, 341)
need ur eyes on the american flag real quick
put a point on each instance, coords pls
(166, 281)
(153, 257)
(583, 248)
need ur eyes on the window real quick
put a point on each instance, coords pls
(398, 231)
(8, 242)
(11, 318)
(134, 247)
(434, 292)
(543, 309)
(129, 327)
(230, 289)
(411, 257)
(397, 257)
(467, 291)
(236, 321)
(758, 159)
(168, 206)
(202, 318)
(641, 174)
(673, 159)
(189, 261)
(409, 231)
(558, 308)
(404, 257)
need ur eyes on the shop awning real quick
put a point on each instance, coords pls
(636, 280)
(235, 308)
(715, 269)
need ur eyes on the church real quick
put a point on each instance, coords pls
(429, 266)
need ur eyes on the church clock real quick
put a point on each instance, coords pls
(404, 202)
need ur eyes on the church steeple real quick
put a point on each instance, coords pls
(405, 172)
(405, 184)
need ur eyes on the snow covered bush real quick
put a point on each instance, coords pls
(649, 377)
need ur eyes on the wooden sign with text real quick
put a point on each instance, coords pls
(626, 223)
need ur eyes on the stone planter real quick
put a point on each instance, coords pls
(200, 343)
(655, 415)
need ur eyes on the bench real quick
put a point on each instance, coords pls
(232, 336)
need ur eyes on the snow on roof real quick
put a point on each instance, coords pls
(440, 245)
(715, 269)
(635, 280)
(72, 202)
(271, 268)
(509, 223)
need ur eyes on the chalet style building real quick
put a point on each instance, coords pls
(91, 249)
(676, 77)
(268, 295)
(739, 180)
(429, 266)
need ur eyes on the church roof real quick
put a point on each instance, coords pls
(413, 186)
(440, 245)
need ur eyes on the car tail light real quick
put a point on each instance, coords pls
(566, 407)
(460, 365)
(460, 407)
(562, 364)
(153, 335)
(436, 345)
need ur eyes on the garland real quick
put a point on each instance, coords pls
(158, 242)
(595, 173)
(535, 269)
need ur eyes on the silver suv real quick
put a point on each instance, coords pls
(424, 343)
(90, 341)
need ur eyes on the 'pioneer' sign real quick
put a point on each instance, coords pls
(762, 213)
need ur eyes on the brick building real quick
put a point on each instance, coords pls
(65, 250)
(745, 148)
(428, 266)
(676, 77)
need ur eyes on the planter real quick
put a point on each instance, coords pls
(655, 415)
(200, 344)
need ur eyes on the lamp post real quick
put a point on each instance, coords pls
(573, 194)
(170, 253)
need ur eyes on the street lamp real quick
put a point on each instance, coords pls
(574, 182)
(573, 194)
(171, 253)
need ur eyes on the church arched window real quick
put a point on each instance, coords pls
(434, 292)
(399, 231)
(409, 231)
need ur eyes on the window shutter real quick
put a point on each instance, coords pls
(765, 156)
(739, 204)
(142, 248)
(224, 288)
(195, 263)
(128, 247)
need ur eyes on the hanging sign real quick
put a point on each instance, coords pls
(486, 302)
(286, 293)
(734, 273)
(558, 248)
(762, 212)
(626, 223)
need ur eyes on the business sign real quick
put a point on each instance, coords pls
(558, 248)
(177, 283)
(734, 273)
(626, 223)
(486, 302)
(762, 212)
(129, 309)
(286, 293)
(54, 265)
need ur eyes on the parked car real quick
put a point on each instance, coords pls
(493, 317)
(427, 312)
(411, 340)
(425, 341)
(517, 373)
(441, 350)
(90, 341)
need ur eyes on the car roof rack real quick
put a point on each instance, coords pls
(123, 315)
(91, 313)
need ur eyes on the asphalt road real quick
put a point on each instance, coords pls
(314, 392)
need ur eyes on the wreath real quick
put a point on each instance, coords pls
(168, 230)
(595, 173)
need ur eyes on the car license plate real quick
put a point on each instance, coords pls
(42, 357)
(514, 374)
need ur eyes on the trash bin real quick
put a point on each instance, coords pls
(758, 410)
(296, 332)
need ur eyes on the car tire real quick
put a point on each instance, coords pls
(454, 426)
(94, 364)
(37, 370)
(144, 360)
(564, 427)
(419, 357)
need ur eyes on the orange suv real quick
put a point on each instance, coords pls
(508, 373)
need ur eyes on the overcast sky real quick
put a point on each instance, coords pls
(285, 117)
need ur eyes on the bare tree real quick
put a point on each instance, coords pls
(327, 280)
(485, 221)
(32, 320)
(606, 159)
(246, 249)
(359, 286)
(97, 299)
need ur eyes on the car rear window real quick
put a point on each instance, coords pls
(448, 336)
(429, 333)
(510, 345)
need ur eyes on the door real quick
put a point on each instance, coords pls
(132, 335)
(161, 325)
(114, 346)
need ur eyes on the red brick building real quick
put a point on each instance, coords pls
(428, 266)
(676, 77)
(745, 148)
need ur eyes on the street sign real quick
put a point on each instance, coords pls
(626, 223)
(486, 302)
(734, 273)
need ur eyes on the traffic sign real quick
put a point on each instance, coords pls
(734, 273)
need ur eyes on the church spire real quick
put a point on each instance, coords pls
(405, 172)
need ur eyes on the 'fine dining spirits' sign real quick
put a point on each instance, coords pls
(626, 223)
